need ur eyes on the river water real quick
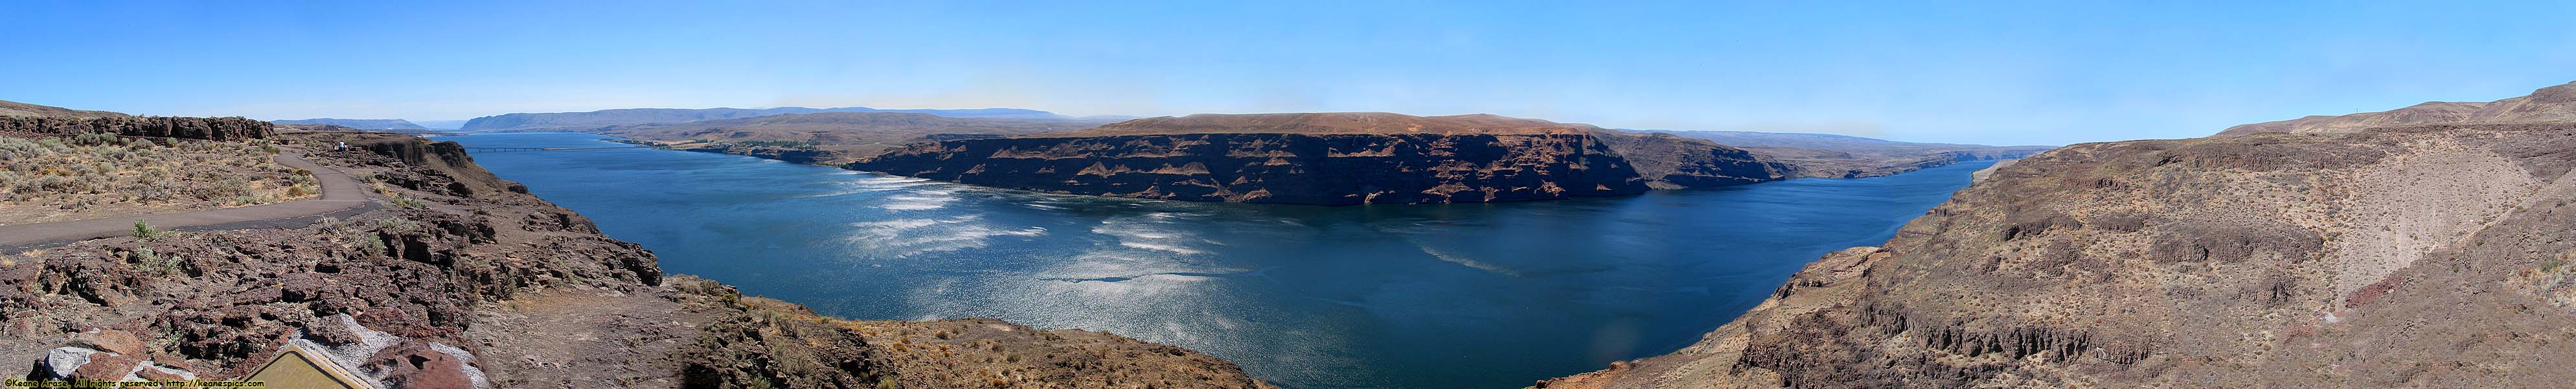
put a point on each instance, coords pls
(1409, 296)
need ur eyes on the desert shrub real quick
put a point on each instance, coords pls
(98, 139)
(15, 148)
(143, 230)
(91, 182)
(408, 203)
(54, 183)
(351, 237)
(154, 263)
(396, 225)
(84, 170)
(229, 187)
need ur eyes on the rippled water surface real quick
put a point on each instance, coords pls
(1428, 296)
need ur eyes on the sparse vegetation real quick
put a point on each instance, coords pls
(396, 225)
(153, 263)
(144, 231)
(798, 144)
(407, 202)
(91, 174)
(352, 237)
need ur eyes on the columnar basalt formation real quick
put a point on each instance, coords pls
(2399, 254)
(1281, 168)
(219, 129)
(1331, 158)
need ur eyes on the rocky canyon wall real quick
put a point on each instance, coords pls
(1334, 169)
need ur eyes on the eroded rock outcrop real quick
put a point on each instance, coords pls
(1667, 161)
(217, 129)
(787, 154)
(2401, 255)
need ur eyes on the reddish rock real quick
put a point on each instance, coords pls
(107, 366)
(332, 334)
(158, 375)
(114, 341)
(413, 364)
(174, 362)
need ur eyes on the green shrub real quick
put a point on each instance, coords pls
(144, 231)
(153, 263)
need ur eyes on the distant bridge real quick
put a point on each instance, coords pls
(510, 149)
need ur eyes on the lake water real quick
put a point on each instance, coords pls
(1410, 296)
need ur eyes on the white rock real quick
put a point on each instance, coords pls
(63, 360)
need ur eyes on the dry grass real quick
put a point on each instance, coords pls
(99, 175)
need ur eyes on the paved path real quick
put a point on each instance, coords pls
(341, 197)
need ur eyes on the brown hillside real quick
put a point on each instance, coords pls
(12, 108)
(2407, 256)
(2555, 104)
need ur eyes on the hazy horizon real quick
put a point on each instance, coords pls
(1953, 73)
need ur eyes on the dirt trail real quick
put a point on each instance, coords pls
(341, 197)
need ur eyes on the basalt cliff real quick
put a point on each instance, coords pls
(450, 277)
(2375, 250)
(1332, 158)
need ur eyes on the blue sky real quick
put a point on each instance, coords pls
(1994, 73)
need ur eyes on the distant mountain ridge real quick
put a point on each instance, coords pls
(363, 124)
(1845, 156)
(835, 137)
(441, 124)
(584, 121)
(12, 108)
